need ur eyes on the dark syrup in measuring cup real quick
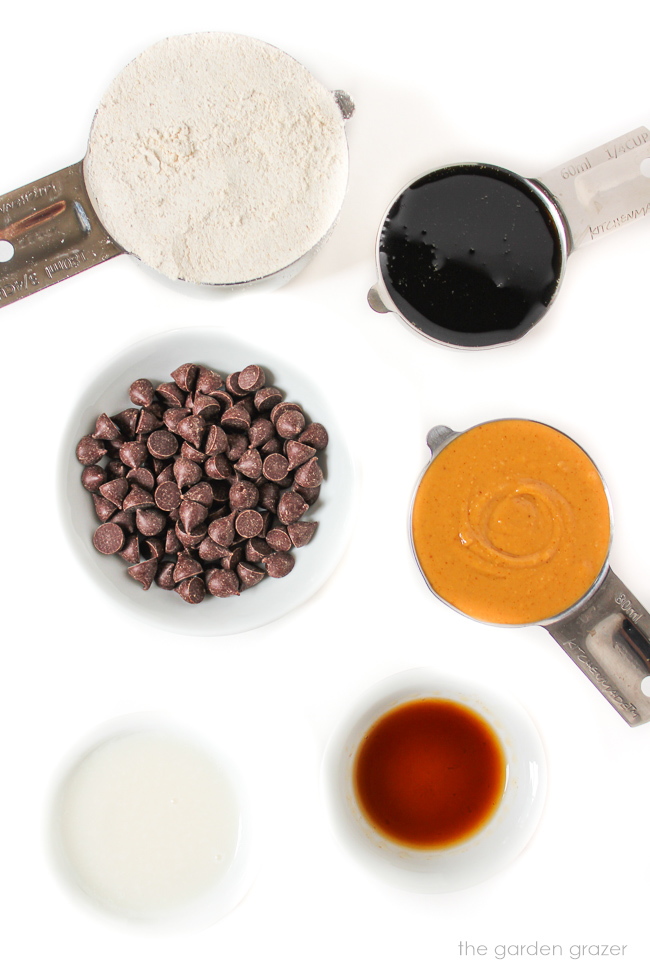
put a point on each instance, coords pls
(471, 255)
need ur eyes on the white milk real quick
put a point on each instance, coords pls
(148, 824)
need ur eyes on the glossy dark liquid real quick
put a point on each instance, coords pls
(470, 255)
(429, 773)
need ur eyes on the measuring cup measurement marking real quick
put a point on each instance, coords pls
(59, 236)
(444, 295)
(606, 632)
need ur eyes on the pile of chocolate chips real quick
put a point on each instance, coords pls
(205, 481)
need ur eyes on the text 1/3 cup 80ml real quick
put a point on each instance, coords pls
(511, 525)
(472, 255)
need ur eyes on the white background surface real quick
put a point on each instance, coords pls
(522, 87)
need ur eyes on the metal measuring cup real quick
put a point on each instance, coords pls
(472, 255)
(50, 230)
(606, 632)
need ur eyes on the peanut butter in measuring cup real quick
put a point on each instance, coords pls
(511, 525)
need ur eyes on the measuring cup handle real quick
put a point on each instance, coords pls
(608, 637)
(603, 189)
(48, 232)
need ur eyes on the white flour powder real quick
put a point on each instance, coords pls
(217, 158)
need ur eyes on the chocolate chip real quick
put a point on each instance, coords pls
(191, 453)
(130, 551)
(208, 381)
(127, 422)
(186, 473)
(275, 467)
(236, 418)
(209, 551)
(89, 451)
(172, 542)
(155, 545)
(125, 519)
(301, 532)
(222, 530)
(165, 473)
(256, 549)
(93, 477)
(173, 416)
(272, 446)
(144, 572)
(260, 431)
(165, 575)
(278, 539)
(310, 495)
(250, 464)
(290, 424)
(232, 558)
(216, 441)
(150, 521)
(162, 444)
(105, 429)
(141, 392)
(309, 475)
(279, 564)
(251, 378)
(281, 408)
(207, 407)
(249, 575)
(192, 429)
(232, 385)
(266, 398)
(115, 490)
(142, 476)
(298, 453)
(115, 468)
(222, 582)
(138, 498)
(147, 422)
(191, 514)
(171, 394)
(133, 454)
(201, 492)
(243, 494)
(224, 399)
(108, 539)
(315, 435)
(185, 376)
(237, 446)
(269, 496)
(186, 566)
(291, 507)
(192, 590)
(249, 523)
(190, 539)
(103, 507)
(218, 468)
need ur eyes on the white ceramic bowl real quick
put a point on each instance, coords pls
(189, 891)
(107, 392)
(483, 854)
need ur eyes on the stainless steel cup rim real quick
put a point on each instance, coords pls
(379, 296)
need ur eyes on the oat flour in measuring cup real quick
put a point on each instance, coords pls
(472, 255)
(214, 158)
(510, 525)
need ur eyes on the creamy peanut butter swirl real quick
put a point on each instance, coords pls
(518, 526)
(511, 522)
